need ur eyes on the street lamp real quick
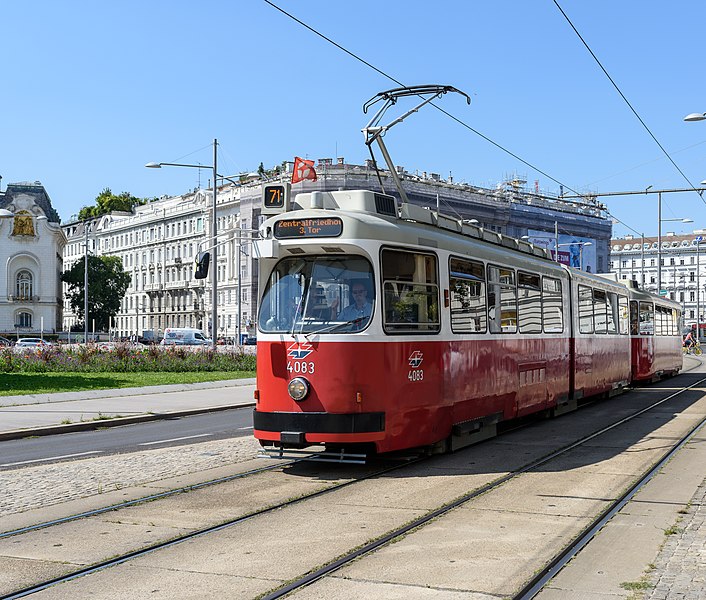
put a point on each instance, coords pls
(660, 220)
(214, 224)
(695, 117)
(698, 241)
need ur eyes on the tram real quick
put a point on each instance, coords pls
(458, 329)
(384, 326)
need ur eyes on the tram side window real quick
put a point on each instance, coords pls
(467, 283)
(676, 318)
(600, 322)
(552, 304)
(585, 309)
(659, 324)
(647, 320)
(502, 300)
(623, 316)
(411, 292)
(529, 303)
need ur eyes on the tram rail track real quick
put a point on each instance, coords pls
(537, 583)
(365, 549)
(183, 538)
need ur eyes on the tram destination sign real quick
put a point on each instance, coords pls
(314, 227)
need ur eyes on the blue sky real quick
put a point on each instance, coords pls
(92, 91)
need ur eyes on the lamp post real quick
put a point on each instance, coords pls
(214, 225)
(698, 241)
(697, 117)
(85, 285)
(660, 220)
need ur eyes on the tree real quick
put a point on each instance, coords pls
(107, 284)
(107, 202)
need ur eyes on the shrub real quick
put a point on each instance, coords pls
(125, 359)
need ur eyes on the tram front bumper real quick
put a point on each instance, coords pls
(302, 427)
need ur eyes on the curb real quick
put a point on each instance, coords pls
(17, 434)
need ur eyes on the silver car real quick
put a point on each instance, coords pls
(29, 344)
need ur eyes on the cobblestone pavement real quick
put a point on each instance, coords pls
(680, 568)
(41, 486)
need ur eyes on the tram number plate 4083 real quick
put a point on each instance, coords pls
(416, 375)
(300, 366)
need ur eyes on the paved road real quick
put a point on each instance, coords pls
(22, 415)
(176, 431)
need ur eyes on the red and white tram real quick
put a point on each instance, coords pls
(385, 326)
(655, 336)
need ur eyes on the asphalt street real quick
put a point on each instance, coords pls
(174, 431)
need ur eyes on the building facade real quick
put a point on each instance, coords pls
(159, 242)
(31, 254)
(682, 275)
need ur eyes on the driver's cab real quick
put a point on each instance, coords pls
(317, 294)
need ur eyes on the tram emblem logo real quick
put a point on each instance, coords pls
(415, 359)
(299, 350)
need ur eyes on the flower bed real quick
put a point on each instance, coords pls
(124, 358)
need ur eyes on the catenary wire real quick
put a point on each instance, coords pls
(391, 78)
(615, 85)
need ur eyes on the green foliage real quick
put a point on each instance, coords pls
(125, 359)
(107, 284)
(107, 202)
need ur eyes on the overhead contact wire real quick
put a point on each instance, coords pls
(391, 78)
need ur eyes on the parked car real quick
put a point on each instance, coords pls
(184, 336)
(5, 343)
(29, 344)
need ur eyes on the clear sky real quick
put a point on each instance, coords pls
(91, 91)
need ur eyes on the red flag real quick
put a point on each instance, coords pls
(303, 169)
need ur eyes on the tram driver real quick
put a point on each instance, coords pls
(360, 309)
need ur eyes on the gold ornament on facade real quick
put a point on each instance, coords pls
(23, 223)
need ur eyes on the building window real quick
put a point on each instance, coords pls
(24, 319)
(692, 276)
(24, 285)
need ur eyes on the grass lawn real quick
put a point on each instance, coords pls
(47, 383)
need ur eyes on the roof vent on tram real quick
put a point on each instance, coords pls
(350, 200)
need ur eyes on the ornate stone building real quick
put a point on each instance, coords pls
(31, 256)
(158, 242)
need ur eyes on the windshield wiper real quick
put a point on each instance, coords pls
(335, 326)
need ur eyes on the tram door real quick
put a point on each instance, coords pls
(532, 363)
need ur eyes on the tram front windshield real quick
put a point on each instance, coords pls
(318, 294)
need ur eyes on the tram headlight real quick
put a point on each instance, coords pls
(298, 389)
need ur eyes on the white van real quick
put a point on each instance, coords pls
(184, 336)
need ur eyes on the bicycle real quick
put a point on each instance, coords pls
(694, 349)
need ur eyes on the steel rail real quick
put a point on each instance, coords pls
(342, 561)
(539, 581)
(396, 533)
(38, 587)
(141, 500)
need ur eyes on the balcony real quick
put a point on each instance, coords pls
(23, 299)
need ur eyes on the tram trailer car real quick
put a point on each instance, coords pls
(460, 328)
(655, 336)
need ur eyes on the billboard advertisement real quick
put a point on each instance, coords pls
(574, 250)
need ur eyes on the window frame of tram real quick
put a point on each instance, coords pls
(410, 290)
(647, 318)
(601, 311)
(312, 307)
(540, 308)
